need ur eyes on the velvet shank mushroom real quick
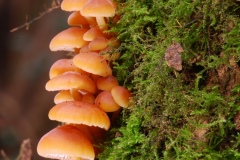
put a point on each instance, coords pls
(78, 112)
(93, 63)
(65, 142)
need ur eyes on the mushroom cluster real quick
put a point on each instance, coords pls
(87, 90)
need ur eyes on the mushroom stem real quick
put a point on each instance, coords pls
(101, 23)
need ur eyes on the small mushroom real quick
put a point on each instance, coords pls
(99, 9)
(98, 43)
(64, 65)
(106, 102)
(93, 33)
(76, 19)
(93, 63)
(63, 96)
(68, 40)
(107, 83)
(121, 96)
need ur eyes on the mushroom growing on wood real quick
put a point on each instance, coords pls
(121, 95)
(65, 142)
(78, 112)
(99, 9)
(71, 80)
(64, 65)
(107, 83)
(63, 96)
(93, 63)
(68, 40)
(106, 102)
(76, 19)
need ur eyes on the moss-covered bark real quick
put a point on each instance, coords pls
(188, 114)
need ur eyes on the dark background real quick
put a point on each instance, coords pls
(25, 60)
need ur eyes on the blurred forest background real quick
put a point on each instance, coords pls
(25, 60)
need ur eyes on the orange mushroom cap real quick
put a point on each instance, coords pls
(64, 65)
(98, 8)
(73, 5)
(78, 112)
(93, 33)
(106, 102)
(68, 40)
(71, 80)
(63, 96)
(93, 63)
(76, 19)
(98, 44)
(85, 49)
(65, 142)
(121, 95)
(107, 83)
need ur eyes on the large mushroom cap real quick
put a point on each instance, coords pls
(93, 63)
(65, 142)
(68, 39)
(98, 8)
(78, 112)
(71, 80)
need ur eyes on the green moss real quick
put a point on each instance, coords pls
(178, 115)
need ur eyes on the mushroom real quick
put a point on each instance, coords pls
(121, 96)
(98, 44)
(65, 142)
(73, 5)
(93, 33)
(93, 63)
(71, 80)
(106, 102)
(76, 19)
(63, 96)
(99, 9)
(64, 65)
(68, 40)
(78, 112)
(107, 83)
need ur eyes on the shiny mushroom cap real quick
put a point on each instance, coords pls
(106, 102)
(76, 19)
(78, 112)
(65, 142)
(71, 80)
(68, 40)
(107, 83)
(93, 63)
(64, 65)
(98, 8)
(121, 95)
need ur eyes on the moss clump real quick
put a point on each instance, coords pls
(187, 114)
